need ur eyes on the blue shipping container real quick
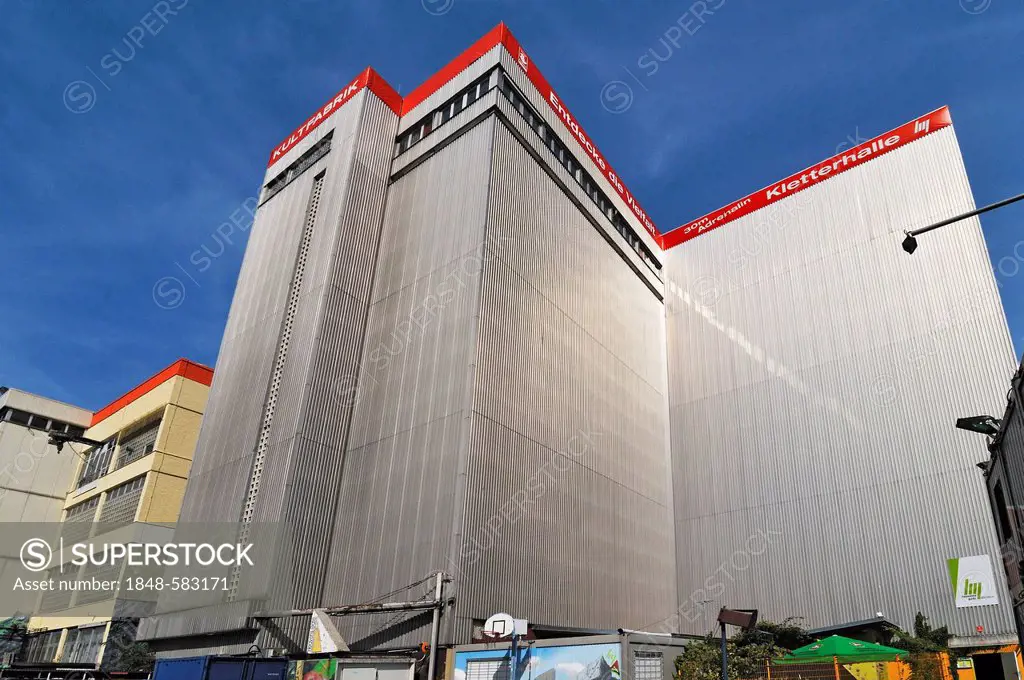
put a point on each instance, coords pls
(241, 668)
(188, 668)
(220, 668)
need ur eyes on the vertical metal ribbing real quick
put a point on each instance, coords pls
(277, 372)
(839, 364)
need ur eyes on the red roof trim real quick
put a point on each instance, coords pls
(183, 367)
(499, 35)
(384, 91)
(368, 79)
(454, 68)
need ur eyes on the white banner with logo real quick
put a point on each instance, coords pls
(974, 583)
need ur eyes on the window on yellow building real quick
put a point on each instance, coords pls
(97, 463)
(121, 504)
(138, 443)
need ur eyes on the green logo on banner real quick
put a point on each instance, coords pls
(972, 589)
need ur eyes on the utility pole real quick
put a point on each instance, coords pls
(435, 626)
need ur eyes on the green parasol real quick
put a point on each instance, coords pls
(844, 650)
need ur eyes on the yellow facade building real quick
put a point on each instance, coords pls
(125, 490)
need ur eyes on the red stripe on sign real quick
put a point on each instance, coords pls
(367, 79)
(858, 155)
(572, 125)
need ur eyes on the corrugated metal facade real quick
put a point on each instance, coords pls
(815, 373)
(295, 330)
(568, 507)
(510, 418)
(459, 363)
(412, 411)
(507, 398)
(557, 125)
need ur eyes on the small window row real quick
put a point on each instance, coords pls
(565, 157)
(129, 445)
(442, 114)
(301, 164)
(38, 422)
(84, 511)
(122, 502)
(126, 488)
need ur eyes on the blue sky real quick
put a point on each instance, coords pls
(119, 164)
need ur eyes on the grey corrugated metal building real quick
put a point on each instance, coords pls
(445, 352)
(453, 346)
(815, 374)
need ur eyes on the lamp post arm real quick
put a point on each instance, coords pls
(972, 213)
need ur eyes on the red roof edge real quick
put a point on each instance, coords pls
(183, 367)
(384, 91)
(499, 35)
(456, 66)
(367, 79)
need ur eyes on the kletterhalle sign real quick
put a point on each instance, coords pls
(868, 151)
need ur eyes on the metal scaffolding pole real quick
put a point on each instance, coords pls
(435, 624)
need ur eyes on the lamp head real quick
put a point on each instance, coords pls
(910, 244)
(981, 424)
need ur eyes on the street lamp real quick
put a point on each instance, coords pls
(986, 425)
(910, 243)
(744, 618)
